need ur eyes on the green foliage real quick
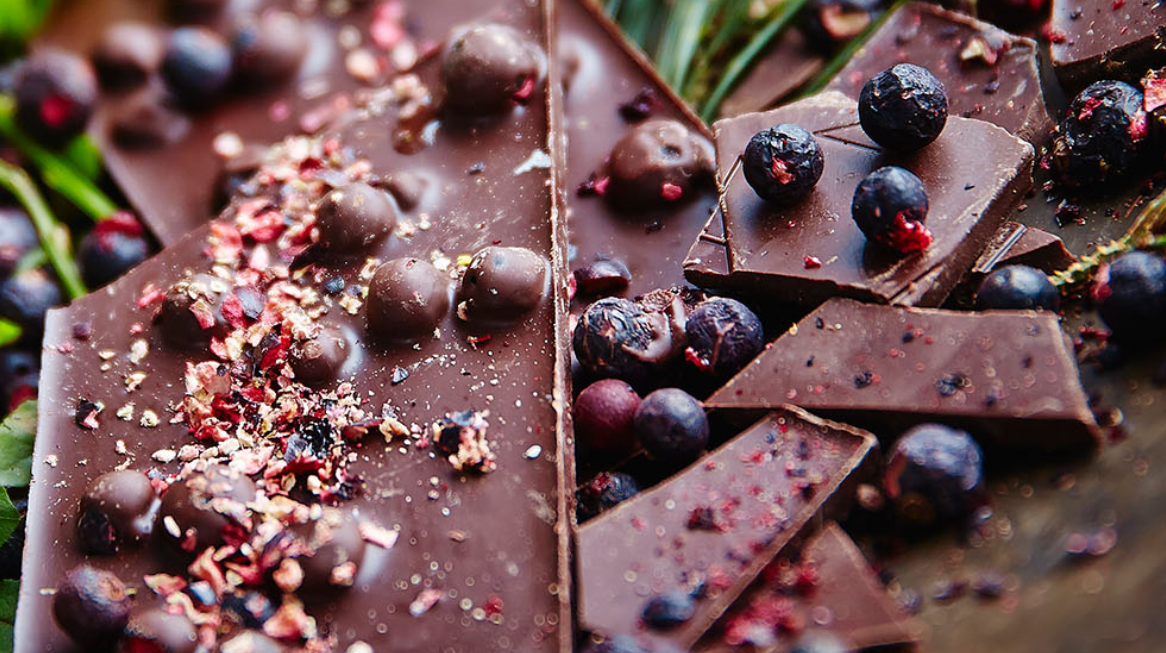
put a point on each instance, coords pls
(19, 19)
(17, 432)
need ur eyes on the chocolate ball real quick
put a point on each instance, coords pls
(270, 47)
(91, 606)
(127, 54)
(146, 119)
(55, 94)
(605, 413)
(502, 284)
(117, 510)
(191, 312)
(352, 217)
(657, 163)
(407, 299)
(406, 187)
(335, 551)
(158, 631)
(317, 362)
(197, 509)
(488, 69)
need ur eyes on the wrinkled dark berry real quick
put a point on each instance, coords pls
(91, 606)
(667, 611)
(783, 164)
(197, 65)
(616, 645)
(605, 414)
(488, 69)
(656, 164)
(117, 510)
(603, 277)
(26, 296)
(502, 284)
(1018, 287)
(17, 238)
(723, 336)
(352, 217)
(829, 23)
(158, 631)
(890, 206)
(903, 108)
(934, 474)
(1130, 294)
(111, 248)
(55, 94)
(604, 492)
(407, 299)
(1102, 136)
(200, 510)
(617, 338)
(127, 54)
(671, 425)
(270, 47)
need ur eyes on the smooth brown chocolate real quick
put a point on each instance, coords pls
(1014, 244)
(407, 299)
(502, 284)
(1007, 377)
(1092, 41)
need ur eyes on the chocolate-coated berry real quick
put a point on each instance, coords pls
(903, 108)
(197, 65)
(502, 284)
(890, 206)
(337, 550)
(657, 163)
(671, 425)
(783, 163)
(1018, 287)
(91, 606)
(26, 296)
(191, 312)
(55, 93)
(17, 238)
(603, 277)
(197, 511)
(317, 362)
(488, 69)
(352, 217)
(158, 631)
(616, 645)
(127, 54)
(111, 248)
(617, 338)
(935, 473)
(1131, 297)
(828, 23)
(723, 336)
(117, 510)
(667, 611)
(605, 414)
(270, 47)
(407, 299)
(1102, 136)
(603, 492)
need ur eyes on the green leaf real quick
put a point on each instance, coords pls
(680, 41)
(9, 332)
(19, 184)
(17, 433)
(84, 156)
(9, 592)
(9, 516)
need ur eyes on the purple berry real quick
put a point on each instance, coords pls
(1131, 297)
(197, 65)
(604, 492)
(26, 296)
(111, 248)
(1018, 287)
(935, 473)
(1102, 136)
(671, 425)
(903, 108)
(669, 610)
(605, 414)
(19, 377)
(17, 238)
(55, 94)
(890, 206)
(783, 164)
(617, 338)
(91, 606)
(723, 336)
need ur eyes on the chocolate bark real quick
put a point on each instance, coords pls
(1007, 377)
(811, 251)
(710, 529)
(827, 587)
(441, 565)
(988, 73)
(1106, 40)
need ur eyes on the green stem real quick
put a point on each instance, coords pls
(20, 185)
(55, 171)
(1144, 233)
(748, 56)
(839, 60)
(680, 41)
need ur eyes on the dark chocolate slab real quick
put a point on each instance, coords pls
(1017, 244)
(754, 487)
(975, 174)
(845, 599)
(462, 576)
(988, 73)
(1008, 377)
(1092, 41)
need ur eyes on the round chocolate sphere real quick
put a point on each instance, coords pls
(657, 163)
(197, 65)
(337, 550)
(127, 54)
(903, 108)
(117, 510)
(158, 631)
(352, 217)
(191, 312)
(55, 94)
(407, 299)
(270, 47)
(197, 509)
(783, 164)
(318, 361)
(487, 69)
(502, 284)
(91, 606)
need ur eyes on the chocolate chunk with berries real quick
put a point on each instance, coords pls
(671, 425)
(117, 510)
(333, 550)
(783, 164)
(55, 94)
(723, 336)
(603, 277)
(191, 312)
(205, 509)
(488, 69)
(1018, 287)
(127, 54)
(197, 65)
(903, 108)
(1102, 136)
(92, 606)
(617, 338)
(317, 361)
(407, 299)
(935, 474)
(355, 216)
(1130, 294)
(603, 492)
(890, 206)
(269, 47)
(502, 284)
(605, 417)
(659, 162)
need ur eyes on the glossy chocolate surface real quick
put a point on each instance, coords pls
(1106, 40)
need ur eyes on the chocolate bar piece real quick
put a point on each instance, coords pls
(827, 587)
(1007, 377)
(988, 73)
(813, 250)
(335, 432)
(1092, 41)
(788, 64)
(704, 534)
(1014, 244)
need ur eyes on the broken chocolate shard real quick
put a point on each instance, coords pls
(767, 246)
(1091, 41)
(1007, 377)
(989, 74)
(764, 486)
